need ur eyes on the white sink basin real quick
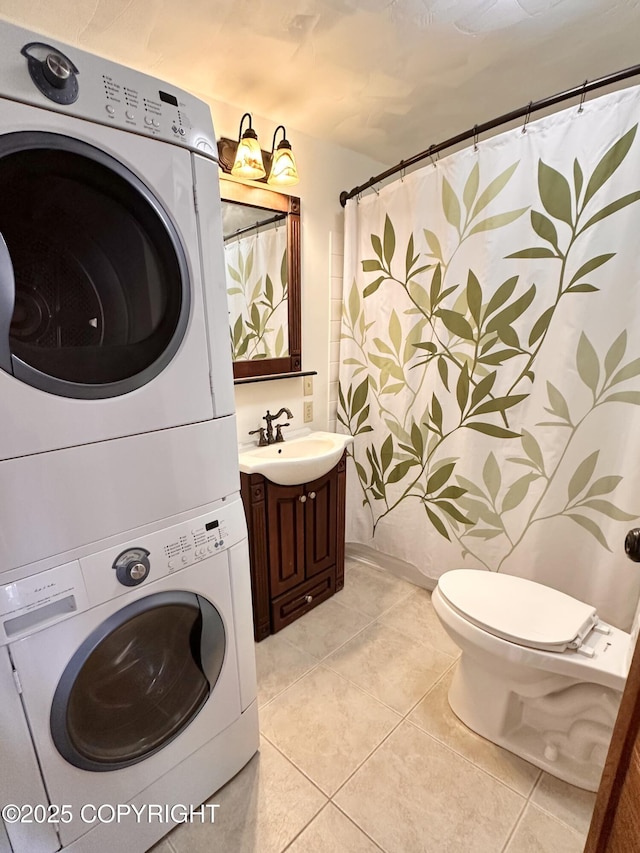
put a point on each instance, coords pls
(296, 460)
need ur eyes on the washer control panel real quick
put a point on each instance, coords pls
(110, 573)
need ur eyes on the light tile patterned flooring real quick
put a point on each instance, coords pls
(360, 752)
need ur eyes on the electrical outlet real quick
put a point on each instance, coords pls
(308, 411)
(307, 386)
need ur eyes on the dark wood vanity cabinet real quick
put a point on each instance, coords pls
(296, 545)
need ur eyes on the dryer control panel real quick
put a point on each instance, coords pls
(47, 73)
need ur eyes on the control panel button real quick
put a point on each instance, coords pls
(130, 115)
(155, 122)
(170, 565)
(148, 120)
(184, 560)
(182, 131)
(111, 110)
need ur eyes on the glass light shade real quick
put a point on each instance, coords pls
(248, 163)
(283, 167)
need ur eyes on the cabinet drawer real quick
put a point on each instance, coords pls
(286, 608)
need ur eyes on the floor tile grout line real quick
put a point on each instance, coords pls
(297, 767)
(375, 749)
(402, 714)
(306, 826)
(284, 689)
(515, 826)
(355, 823)
(467, 760)
(551, 814)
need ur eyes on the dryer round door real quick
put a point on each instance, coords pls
(94, 283)
(137, 681)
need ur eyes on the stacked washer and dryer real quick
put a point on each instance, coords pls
(127, 674)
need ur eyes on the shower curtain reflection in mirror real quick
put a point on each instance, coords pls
(257, 287)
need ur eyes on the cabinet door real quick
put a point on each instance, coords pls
(285, 517)
(321, 524)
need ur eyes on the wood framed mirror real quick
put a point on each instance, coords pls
(261, 232)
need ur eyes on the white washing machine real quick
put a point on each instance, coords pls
(127, 679)
(115, 367)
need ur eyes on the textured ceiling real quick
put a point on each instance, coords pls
(387, 78)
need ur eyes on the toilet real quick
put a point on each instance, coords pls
(540, 674)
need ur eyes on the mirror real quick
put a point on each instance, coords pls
(261, 231)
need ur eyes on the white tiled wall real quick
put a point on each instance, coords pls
(336, 249)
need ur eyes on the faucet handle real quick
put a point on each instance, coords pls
(263, 438)
(279, 436)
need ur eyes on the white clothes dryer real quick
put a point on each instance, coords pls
(113, 310)
(127, 682)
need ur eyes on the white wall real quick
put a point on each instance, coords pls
(325, 170)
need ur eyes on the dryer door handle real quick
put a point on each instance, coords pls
(7, 302)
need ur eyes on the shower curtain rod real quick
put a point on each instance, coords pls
(475, 131)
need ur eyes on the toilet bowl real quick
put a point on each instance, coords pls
(539, 673)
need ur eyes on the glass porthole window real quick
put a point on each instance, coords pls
(99, 295)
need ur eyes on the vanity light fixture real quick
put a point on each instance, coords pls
(248, 162)
(283, 171)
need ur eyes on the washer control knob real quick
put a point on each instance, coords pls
(57, 70)
(132, 566)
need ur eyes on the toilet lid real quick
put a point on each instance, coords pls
(516, 609)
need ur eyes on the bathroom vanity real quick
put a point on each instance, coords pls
(296, 544)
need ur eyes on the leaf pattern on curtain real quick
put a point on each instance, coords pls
(432, 349)
(257, 289)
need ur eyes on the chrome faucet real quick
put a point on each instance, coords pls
(269, 418)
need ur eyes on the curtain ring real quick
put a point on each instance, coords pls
(475, 137)
(527, 117)
(377, 192)
(402, 171)
(583, 96)
(430, 156)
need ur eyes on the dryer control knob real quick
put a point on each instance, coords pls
(132, 566)
(57, 70)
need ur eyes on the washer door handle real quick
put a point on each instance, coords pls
(7, 302)
(213, 641)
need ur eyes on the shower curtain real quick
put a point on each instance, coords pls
(257, 291)
(490, 357)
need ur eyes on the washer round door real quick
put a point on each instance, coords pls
(137, 681)
(94, 283)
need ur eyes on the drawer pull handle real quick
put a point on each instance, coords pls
(312, 495)
(302, 499)
(308, 599)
